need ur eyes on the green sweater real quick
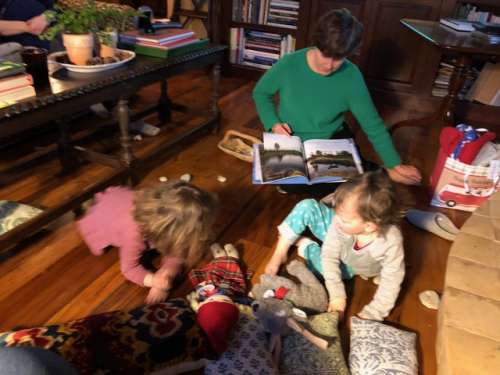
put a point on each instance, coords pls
(314, 105)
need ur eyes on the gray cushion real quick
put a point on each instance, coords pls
(248, 350)
(13, 214)
(377, 348)
(300, 357)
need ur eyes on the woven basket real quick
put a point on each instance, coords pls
(238, 144)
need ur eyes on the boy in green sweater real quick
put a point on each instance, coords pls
(318, 85)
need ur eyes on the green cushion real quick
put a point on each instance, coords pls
(299, 356)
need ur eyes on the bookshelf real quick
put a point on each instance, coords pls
(259, 32)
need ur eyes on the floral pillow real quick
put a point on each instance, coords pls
(13, 214)
(248, 350)
(300, 357)
(139, 341)
(377, 348)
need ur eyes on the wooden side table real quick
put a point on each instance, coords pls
(426, 139)
(451, 42)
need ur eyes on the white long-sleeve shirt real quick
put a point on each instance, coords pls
(384, 257)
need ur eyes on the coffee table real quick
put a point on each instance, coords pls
(70, 93)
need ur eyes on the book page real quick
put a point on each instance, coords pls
(281, 157)
(332, 159)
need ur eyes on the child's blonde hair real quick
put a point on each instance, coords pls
(176, 218)
(377, 199)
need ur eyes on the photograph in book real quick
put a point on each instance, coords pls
(323, 161)
(285, 159)
(281, 157)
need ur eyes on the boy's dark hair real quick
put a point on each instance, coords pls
(377, 198)
(337, 33)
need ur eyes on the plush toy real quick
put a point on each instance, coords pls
(216, 285)
(278, 303)
(309, 295)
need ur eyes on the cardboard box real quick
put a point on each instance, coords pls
(486, 89)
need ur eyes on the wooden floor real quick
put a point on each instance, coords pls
(52, 277)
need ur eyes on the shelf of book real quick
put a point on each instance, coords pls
(264, 28)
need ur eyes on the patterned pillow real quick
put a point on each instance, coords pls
(13, 214)
(150, 338)
(377, 348)
(248, 352)
(300, 357)
(135, 342)
(72, 341)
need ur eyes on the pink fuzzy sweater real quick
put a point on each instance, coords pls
(110, 222)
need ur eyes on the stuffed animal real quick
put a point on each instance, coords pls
(216, 285)
(279, 304)
(309, 295)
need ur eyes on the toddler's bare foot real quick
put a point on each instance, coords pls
(273, 266)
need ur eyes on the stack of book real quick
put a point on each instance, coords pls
(281, 13)
(164, 43)
(15, 83)
(257, 48)
(442, 81)
(489, 32)
(470, 12)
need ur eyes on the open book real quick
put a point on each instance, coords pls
(286, 160)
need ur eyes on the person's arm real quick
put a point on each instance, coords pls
(330, 260)
(37, 24)
(267, 86)
(132, 270)
(391, 277)
(13, 27)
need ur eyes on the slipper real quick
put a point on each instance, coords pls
(434, 222)
(238, 145)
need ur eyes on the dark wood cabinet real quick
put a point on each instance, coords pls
(394, 58)
(399, 67)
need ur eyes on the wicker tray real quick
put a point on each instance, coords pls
(238, 144)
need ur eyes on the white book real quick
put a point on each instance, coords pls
(286, 160)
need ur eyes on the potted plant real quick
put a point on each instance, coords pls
(110, 22)
(87, 28)
(77, 26)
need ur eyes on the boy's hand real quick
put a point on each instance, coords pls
(405, 174)
(337, 304)
(282, 128)
(156, 295)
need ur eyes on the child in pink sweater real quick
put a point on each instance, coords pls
(176, 219)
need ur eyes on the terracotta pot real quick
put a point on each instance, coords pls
(108, 40)
(79, 47)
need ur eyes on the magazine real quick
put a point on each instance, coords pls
(285, 160)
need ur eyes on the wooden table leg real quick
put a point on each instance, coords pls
(215, 96)
(64, 147)
(164, 104)
(123, 121)
(447, 108)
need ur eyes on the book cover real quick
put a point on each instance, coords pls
(287, 160)
(17, 94)
(9, 68)
(160, 36)
(164, 52)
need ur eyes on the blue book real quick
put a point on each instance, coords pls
(287, 160)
